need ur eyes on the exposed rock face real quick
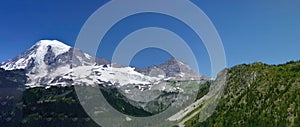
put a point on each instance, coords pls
(102, 61)
(174, 69)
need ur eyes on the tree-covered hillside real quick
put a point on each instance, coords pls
(13, 78)
(258, 95)
(20, 107)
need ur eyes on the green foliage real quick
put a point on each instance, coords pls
(57, 106)
(13, 78)
(258, 95)
(52, 102)
(203, 89)
(117, 100)
(11, 84)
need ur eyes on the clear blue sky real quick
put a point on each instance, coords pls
(260, 30)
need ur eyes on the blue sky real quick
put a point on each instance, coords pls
(260, 30)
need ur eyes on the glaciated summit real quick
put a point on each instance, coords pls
(37, 55)
(46, 60)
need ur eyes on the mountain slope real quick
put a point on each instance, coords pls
(258, 95)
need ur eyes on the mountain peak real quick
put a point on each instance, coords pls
(36, 55)
(53, 44)
(173, 60)
(43, 46)
(172, 68)
(47, 59)
(49, 41)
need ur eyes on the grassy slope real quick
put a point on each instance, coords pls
(258, 95)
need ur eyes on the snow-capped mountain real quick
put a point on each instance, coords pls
(47, 55)
(47, 59)
(37, 55)
(52, 63)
